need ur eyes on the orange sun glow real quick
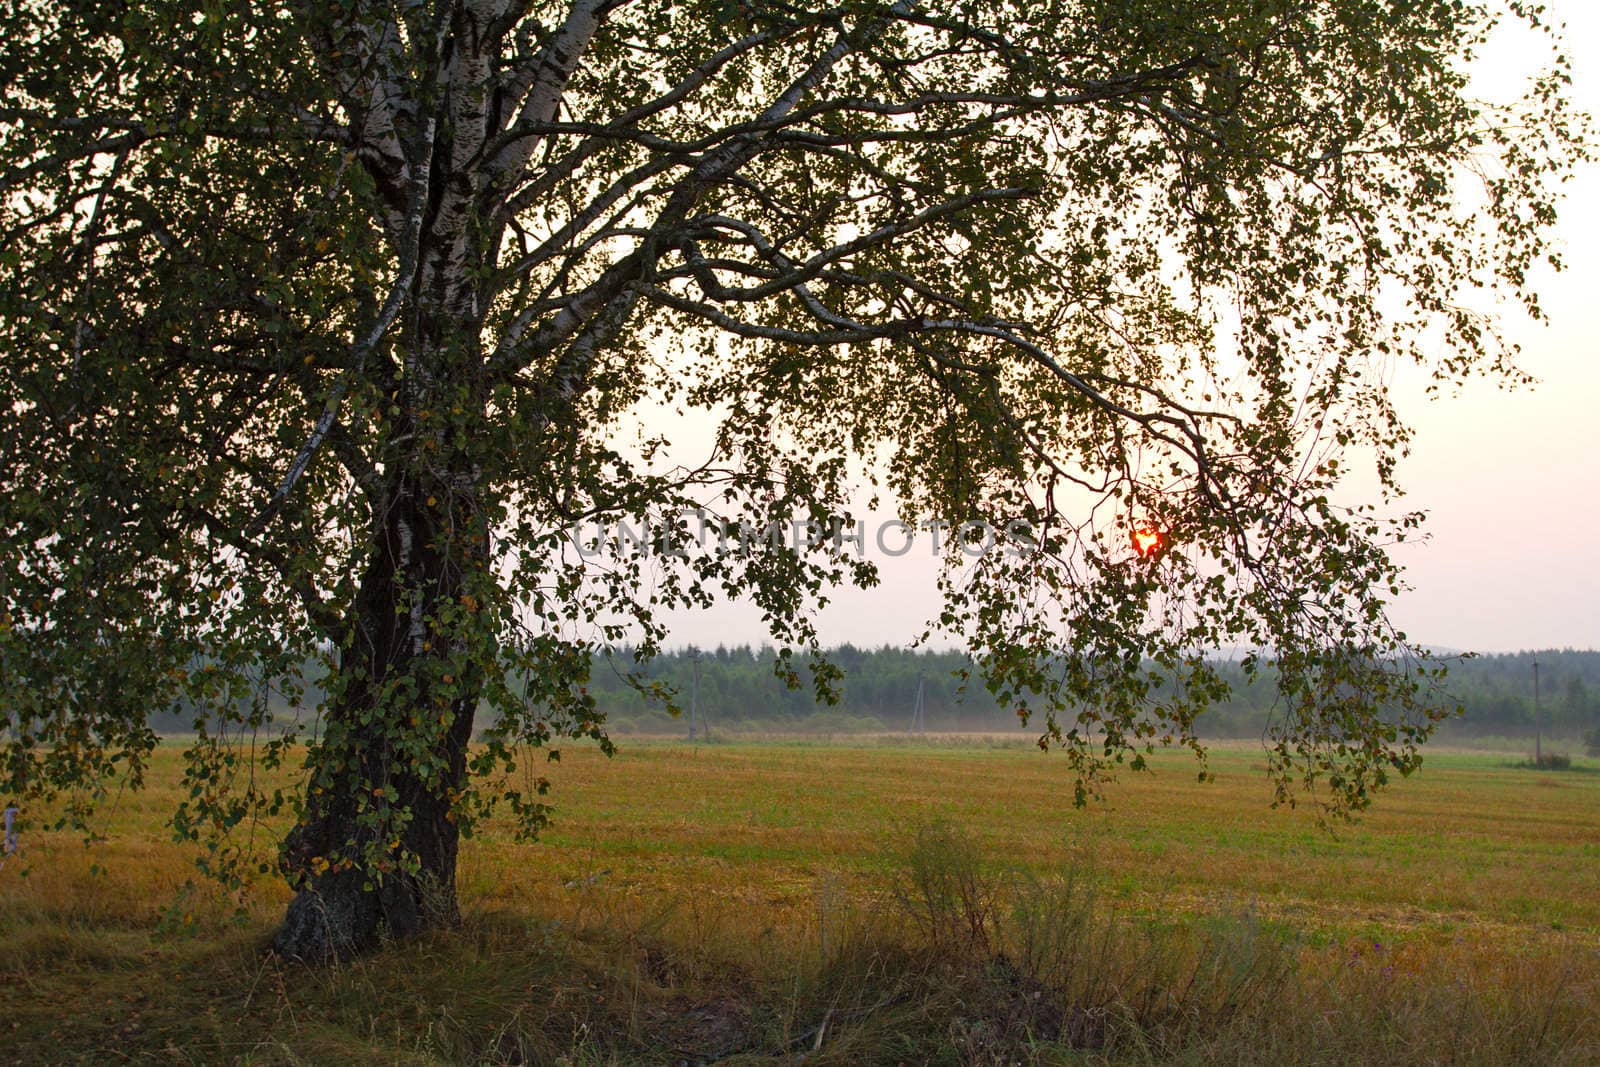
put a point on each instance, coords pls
(1147, 541)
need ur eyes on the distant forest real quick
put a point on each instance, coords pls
(738, 691)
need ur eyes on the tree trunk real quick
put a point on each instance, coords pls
(367, 765)
(412, 666)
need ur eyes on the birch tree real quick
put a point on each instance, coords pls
(328, 328)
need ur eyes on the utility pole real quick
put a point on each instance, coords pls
(919, 719)
(1538, 728)
(694, 690)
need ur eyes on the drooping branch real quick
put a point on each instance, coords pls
(399, 293)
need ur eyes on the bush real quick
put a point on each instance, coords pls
(1026, 959)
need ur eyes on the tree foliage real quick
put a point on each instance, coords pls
(325, 326)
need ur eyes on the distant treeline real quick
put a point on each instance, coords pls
(739, 691)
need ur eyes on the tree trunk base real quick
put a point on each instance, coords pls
(336, 916)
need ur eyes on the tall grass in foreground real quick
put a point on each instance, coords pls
(1011, 967)
(958, 960)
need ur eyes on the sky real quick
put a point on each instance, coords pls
(1510, 479)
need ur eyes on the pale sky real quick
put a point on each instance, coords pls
(1510, 479)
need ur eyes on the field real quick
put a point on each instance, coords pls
(870, 902)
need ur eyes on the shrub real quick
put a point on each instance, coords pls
(1028, 958)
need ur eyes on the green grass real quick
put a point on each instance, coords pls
(741, 900)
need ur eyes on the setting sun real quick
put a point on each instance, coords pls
(1147, 541)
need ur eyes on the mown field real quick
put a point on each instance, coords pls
(864, 903)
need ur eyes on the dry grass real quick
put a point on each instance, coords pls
(771, 901)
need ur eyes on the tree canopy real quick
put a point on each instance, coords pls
(329, 328)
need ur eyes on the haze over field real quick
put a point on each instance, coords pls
(1510, 478)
